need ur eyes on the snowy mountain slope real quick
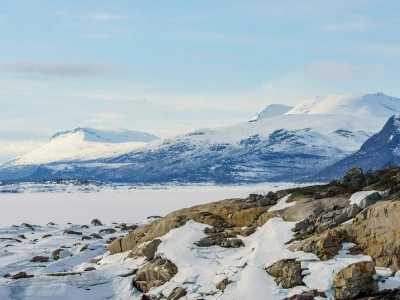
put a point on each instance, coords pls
(309, 138)
(84, 144)
(381, 149)
(116, 135)
(279, 148)
(272, 110)
(362, 105)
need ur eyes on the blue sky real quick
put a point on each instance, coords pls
(168, 67)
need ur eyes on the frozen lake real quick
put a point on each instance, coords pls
(112, 206)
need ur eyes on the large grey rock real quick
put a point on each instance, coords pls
(151, 248)
(155, 273)
(177, 293)
(40, 259)
(343, 217)
(301, 225)
(353, 211)
(370, 200)
(96, 222)
(21, 275)
(264, 202)
(205, 242)
(272, 196)
(354, 280)
(287, 272)
(354, 178)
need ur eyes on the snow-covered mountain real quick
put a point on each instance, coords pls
(362, 105)
(80, 144)
(304, 141)
(272, 110)
(381, 149)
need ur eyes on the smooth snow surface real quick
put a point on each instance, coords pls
(282, 204)
(362, 105)
(272, 110)
(85, 144)
(357, 197)
(114, 205)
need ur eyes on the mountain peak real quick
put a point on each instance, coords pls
(272, 110)
(355, 104)
(114, 135)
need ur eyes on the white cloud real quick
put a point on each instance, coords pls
(99, 16)
(59, 68)
(8, 148)
(349, 27)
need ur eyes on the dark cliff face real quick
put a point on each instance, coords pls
(379, 150)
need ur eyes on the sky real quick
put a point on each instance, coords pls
(170, 67)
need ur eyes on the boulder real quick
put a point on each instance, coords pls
(353, 211)
(40, 259)
(354, 178)
(370, 200)
(151, 248)
(155, 273)
(343, 217)
(177, 293)
(232, 243)
(85, 237)
(96, 236)
(96, 222)
(300, 225)
(85, 226)
(355, 280)
(108, 230)
(21, 275)
(272, 196)
(300, 297)
(287, 272)
(72, 232)
(264, 201)
(249, 231)
(57, 254)
(206, 242)
(22, 236)
(46, 236)
(50, 224)
(29, 226)
(223, 284)
(90, 269)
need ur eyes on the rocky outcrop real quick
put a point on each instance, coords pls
(177, 293)
(223, 284)
(154, 274)
(72, 232)
(222, 214)
(287, 272)
(376, 232)
(355, 280)
(151, 248)
(325, 245)
(370, 200)
(354, 178)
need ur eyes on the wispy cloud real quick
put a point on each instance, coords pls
(98, 16)
(60, 68)
(195, 17)
(348, 27)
